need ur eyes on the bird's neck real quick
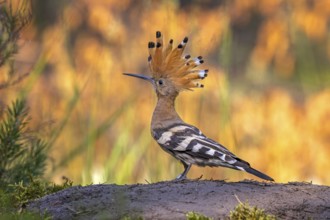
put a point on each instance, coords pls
(164, 114)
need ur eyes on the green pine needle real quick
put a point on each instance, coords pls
(22, 154)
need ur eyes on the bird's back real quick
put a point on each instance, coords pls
(188, 143)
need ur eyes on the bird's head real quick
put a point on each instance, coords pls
(171, 71)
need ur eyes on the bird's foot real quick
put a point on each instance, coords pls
(181, 177)
(184, 178)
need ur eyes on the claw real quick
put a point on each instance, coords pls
(181, 177)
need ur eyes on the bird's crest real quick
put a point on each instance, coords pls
(170, 62)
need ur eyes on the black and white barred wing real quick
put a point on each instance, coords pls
(188, 144)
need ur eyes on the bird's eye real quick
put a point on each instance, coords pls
(160, 82)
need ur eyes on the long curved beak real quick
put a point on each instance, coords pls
(140, 76)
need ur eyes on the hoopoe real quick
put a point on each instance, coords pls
(173, 72)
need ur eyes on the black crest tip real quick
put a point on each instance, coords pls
(151, 44)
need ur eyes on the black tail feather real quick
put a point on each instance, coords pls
(258, 173)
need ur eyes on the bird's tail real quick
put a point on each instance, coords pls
(258, 173)
(245, 166)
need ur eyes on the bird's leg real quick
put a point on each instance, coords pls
(183, 175)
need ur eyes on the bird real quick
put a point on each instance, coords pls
(172, 72)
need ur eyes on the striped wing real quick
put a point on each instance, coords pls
(188, 144)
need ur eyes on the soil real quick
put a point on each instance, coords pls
(172, 200)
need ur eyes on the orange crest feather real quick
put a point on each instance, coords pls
(166, 62)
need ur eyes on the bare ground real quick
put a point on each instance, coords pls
(172, 200)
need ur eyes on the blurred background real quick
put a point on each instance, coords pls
(267, 96)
